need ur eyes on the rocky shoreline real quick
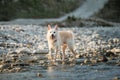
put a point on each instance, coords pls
(23, 49)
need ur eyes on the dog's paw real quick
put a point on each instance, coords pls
(71, 59)
(50, 57)
(77, 56)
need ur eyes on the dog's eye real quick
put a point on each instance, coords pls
(50, 32)
(54, 32)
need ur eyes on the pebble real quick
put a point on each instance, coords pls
(86, 60)
(108, 54)
(19, 64)
(111, 62)
(102, 58)
(116, 78)
(93, 60)
(114, 50)
(5, 66)
(32, 61)
(39, 75)
(78, 56)
(45, 51)
(116, 40)
(42, 61)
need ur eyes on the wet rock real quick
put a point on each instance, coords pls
(25, 52)
(78, 56)
(9, 44)
(116, 40)
(5, 66)
(85, 61)
(19, 64)
(116, 78)
(118, 63)
(49, 56)
(93, 60)
(12, 56)
(111, 62)
(39, 75)
(2, 44)
(42, 61)
(114, 50)
(79, 61)
(102, 58)
(18, 29)
(12, 52)
(71, 59)
(15, 69)
(45, 51)
(39, 57)
(86, 55)
(6, 61)
(108, 54)
(19, 61)
(32, 61)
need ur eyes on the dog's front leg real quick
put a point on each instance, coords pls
(56, 53)
(50, 54)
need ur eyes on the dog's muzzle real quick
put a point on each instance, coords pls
(52, 36)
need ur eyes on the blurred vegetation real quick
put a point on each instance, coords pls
(111, 11)
(12, 9)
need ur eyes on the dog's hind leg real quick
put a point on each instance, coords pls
(64, 46)
(72, 50)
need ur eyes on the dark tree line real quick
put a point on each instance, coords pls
(12, 9)
(111, 11)
(6, 9)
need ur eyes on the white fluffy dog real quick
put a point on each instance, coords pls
(60, 40)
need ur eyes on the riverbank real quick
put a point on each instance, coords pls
(23, 50)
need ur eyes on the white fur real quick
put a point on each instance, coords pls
(60, 39)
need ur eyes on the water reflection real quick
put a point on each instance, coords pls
(50, 69)
(59, 72)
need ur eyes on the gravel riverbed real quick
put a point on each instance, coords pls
(23, 50)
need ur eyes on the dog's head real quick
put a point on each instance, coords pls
(52, 32)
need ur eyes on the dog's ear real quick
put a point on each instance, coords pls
(56, 27)
(49, 27)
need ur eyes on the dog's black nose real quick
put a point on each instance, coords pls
(53, 36)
